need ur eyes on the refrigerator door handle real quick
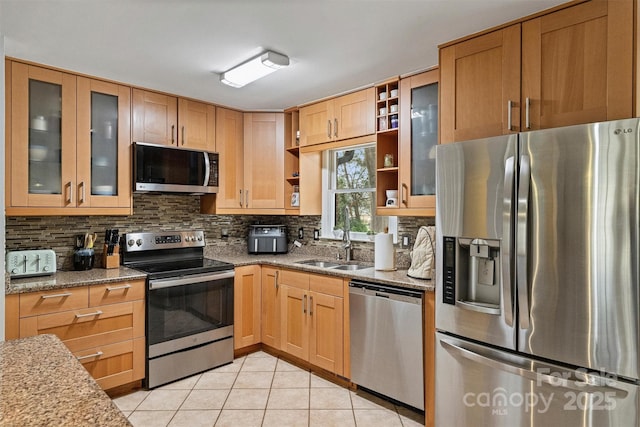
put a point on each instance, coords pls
(507, 207)
(521, 241)
(569, 379)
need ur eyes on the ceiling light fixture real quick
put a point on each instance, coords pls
(255, 68)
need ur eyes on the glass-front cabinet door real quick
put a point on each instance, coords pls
(418, 140)
(103, 144)
(43, 137)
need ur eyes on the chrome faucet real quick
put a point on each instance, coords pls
(346, 236)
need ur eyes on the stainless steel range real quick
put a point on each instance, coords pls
(189, 304)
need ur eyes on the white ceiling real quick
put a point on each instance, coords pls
(178, 46)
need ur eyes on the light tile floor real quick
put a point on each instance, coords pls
(261, 390)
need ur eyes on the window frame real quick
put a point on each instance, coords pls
(329, 179)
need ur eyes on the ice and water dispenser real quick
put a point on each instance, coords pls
(472, 264)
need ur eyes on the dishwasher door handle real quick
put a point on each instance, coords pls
(381, 295)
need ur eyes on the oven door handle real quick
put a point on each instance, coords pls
(188, 280)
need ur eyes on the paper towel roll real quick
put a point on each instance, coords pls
(385, 253)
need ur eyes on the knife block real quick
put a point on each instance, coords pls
(113, 260)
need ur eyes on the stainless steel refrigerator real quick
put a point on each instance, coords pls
(537, 278)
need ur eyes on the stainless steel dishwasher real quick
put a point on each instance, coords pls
(387, 341)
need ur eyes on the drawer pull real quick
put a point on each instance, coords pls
(64, 295)
(95, 313)
(88, 356)
(117, 288)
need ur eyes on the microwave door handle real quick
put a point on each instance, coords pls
(207, 166)
(505, 258)
(521, 241)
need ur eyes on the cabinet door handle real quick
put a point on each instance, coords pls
(70, 187)
(95, 313)
(240, 198)
(63, 295)
(304, 305)
(335, 127)
(328, 128)
(82, 192)
(182, 135)
(117, 288)
(276, 281)
(246, 198)
(173, 133)
(527, 113)
(403, 194)
(88, 356)
(509, 106)
(311, 305)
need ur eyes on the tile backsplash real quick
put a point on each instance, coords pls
(157, 212)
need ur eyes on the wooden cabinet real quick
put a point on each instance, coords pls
(292, 162)
(312, 316)
(102, 325)
(251, 148)
(405, 156)
(168, 120)
(480, 86)
(67, 151)
(270, 325)
(247, 306)
(577, 65)
(567, 67)
(344, 117)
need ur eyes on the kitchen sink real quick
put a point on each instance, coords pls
(317, 263)
(351, 267)
(333, 265)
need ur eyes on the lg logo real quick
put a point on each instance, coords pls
(621, 131)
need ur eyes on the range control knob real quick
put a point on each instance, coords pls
(131, 242)
(14, 271)
(45, 268)
(199, 238)
(139, 242)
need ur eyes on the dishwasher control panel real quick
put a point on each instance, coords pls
(27, 263)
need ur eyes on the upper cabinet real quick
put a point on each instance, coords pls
(344, 117)
(405, 155)
(567, 67)
(251, 148)
(167, 120)
(68, 138)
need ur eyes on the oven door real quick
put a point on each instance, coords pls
(189, 311)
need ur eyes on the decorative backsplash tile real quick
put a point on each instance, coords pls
(157, 212)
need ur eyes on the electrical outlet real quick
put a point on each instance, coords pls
(316, 234)
(224, 234)
(300, 233)
(406, 240)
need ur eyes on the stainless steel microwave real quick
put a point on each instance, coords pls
(167, 169)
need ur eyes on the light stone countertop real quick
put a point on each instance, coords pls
(42, 384)
(394, 278)
(68, 279)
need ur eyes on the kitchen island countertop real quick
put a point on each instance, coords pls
(42, 384)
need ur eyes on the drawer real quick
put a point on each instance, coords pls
(112, 293)
(326, 285)
(295, 279)
(35, 303)
(114, 364)
(89, 327)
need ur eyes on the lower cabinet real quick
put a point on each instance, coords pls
(102, 325)
(270, 325)
(312, 319)
(246, 306)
